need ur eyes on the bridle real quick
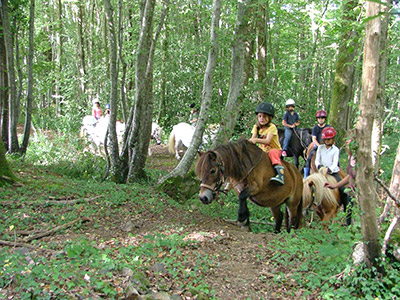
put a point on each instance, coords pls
(305, 148)
(220, 180)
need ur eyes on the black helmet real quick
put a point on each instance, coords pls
(266, 108)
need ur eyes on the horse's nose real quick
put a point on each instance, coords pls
(206, 197)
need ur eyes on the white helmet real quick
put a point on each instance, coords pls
(290, 102)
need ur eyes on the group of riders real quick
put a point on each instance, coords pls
(265, 135)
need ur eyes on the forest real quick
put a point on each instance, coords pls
(102, 209)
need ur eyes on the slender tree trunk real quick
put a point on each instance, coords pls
(29, 96)
(115, 162)
(6, 174)
(394, 188)
(377, 129)
(123, 63)
(364, 180)
(342, 93)
(13, 110)
(261, 50)
(134, 166)
(3, 89)
(81, 49)
(145, 113)
(184, 165)
(233, 104)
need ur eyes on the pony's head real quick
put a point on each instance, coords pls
(210, 170)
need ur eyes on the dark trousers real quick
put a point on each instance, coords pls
(345, 199)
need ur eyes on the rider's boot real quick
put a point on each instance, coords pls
(279, 178)
(306, 172)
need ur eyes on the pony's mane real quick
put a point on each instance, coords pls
(317, 180)
(237, 158)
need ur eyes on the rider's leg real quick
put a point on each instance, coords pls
(275, 157)
(308, 162)
(286, 139)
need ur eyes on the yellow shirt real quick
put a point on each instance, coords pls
(262, 134)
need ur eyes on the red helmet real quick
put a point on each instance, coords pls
(328, 133)
(321, 114)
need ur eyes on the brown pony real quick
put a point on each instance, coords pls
(248, 170)
(324, 201)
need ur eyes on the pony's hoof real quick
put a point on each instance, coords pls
(244, 226)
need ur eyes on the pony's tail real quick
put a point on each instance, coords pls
(171, 142)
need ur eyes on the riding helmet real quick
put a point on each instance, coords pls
(328, 133)
(290, 102)
(108, 106)
(266, 108)
(321, 114)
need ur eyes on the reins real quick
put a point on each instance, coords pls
(301, 141)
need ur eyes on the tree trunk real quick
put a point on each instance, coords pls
(394, 188)
(342, 93)
(12, 128)
(123, 63)
(144, 93)
(3, 89)
(377, 129)
(184, 165)
(233, 104)
(114, 91)
(366, 192)
(261, 50)
(6, 174)
(29, 96)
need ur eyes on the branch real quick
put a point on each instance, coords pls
(50, 232)
(55, 202)
(25, 245)
(382, 184)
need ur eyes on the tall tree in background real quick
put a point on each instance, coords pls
(29, 96)
(184, 165)
(342, 93)
(115, 161)
(13, 145)
(364, 180)
(377, 129)
(234, 101)
(3, 89)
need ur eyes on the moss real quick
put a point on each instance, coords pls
(181, 188)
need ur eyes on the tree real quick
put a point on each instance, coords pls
(364, 180)
(29, 96)
(6, 174)
(342, 91)
(234, 101)
(13, 145)
(184, 165)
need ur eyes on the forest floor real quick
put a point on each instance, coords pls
(232, 263)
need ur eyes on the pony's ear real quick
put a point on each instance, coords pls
(199, 153)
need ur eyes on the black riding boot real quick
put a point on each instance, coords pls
(279, 178)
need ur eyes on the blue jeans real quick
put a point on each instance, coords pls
(286, 139)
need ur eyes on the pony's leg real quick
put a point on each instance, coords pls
(177, 149)
(276, 212)
(291, 217)
(243, 212)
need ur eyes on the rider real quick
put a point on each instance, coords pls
(108, 109)
(194, 115)
(265, 134)
(316, 138)
(290, 120)
(96, 111)
(328, 156)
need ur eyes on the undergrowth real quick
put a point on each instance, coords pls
(84, 265)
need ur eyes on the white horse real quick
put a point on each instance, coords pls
(182, 134)
(96, 131)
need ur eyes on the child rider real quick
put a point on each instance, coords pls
(290, 120)
(265, 134)
(316, 138)
(328, 156)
